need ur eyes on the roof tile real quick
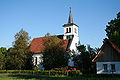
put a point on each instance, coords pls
(37, 45)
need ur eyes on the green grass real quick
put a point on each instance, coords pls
(28, 76)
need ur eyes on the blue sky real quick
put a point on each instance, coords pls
(38, 17)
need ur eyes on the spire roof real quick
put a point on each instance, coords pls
(70, 19)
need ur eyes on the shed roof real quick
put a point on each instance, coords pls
(112, 45)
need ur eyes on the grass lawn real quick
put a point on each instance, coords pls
(26, 76)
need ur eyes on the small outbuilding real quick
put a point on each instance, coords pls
(108, 59)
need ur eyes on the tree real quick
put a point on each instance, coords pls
(54, 55)
(20, 50)
(3, 50)
(3, 55)
(48, 34)
(113, 30)
(83, 61)
(12, 60)
(2, 59)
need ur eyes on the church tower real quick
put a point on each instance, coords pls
(71, 32)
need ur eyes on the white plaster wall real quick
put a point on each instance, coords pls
(75, 39)
(39, 58)
(100, 69)
(72, 31)
(73, 28)
(73, 44)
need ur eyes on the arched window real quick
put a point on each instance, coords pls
(69, 30)
(75, 30)
(66, 30)
(35, 60)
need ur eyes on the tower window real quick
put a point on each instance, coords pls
(75, 30)
(69, 30)
(66, 30)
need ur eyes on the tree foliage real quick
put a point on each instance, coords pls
(113, 30)
(54, 55)
(11, 59)
(47, 34)
(2, 57)
(3, 50)
(19, 56)
(83, 61)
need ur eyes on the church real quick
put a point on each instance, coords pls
(70, 39)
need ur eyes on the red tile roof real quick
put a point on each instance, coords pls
(37, 45)
(101, 52)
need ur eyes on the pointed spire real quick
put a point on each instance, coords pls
(70, 20)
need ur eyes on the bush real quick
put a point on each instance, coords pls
(36, 68)
(60, 69)
(74, 73)
(16, 71)
(46, 72)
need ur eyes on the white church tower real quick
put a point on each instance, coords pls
(71, 32)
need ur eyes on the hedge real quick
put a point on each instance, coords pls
(45, 72)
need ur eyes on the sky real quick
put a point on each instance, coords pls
(38, 17)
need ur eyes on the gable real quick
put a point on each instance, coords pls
(109, 52)
(37, 45)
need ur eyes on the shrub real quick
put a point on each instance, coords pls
(16, 71)
(60, 69)
(36, 68)
(74, 73)
(46, 72)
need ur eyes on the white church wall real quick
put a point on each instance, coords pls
(74, 44)
(38, 57)
(100, 68)
(72, 31)
(75, 41)
(65, 32)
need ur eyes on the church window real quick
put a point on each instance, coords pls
(66, 30)
(71, 37)
(68, 37)
(35, 60)
(40, 59)
(69, 30)
(32, 59)
(75, 30)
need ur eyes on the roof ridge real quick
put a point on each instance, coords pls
(114, 46)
